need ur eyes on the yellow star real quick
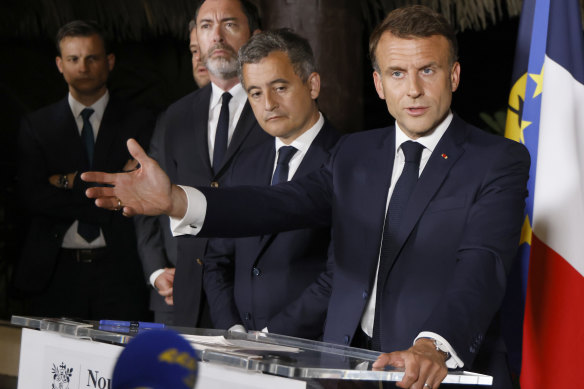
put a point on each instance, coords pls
(526, 232)
(538, 78)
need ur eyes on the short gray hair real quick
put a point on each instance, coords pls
(285, 40)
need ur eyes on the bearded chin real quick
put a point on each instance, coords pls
(222, 67)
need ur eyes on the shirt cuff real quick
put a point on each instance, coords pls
(237, 328)
(154, 276)
(453, 362)
(194, 218)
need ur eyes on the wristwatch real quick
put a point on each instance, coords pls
(63, 181)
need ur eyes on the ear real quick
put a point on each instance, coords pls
(378, 85)
(59, 62)
(111, 61)
(314, 85)
(455, 76)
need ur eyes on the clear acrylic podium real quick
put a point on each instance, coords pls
(312, 362)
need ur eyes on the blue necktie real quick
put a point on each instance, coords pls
(89, 232)
(285, 154)
(221, 135)
(401, 194)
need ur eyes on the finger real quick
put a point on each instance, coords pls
(129, 212)
(169, 301)
(170, 271)
(99, 177)
(101, 192)
(394, 359)
(136, 151)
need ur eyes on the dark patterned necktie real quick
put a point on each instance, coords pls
(285, 154)
(401, 194)
(221, 135)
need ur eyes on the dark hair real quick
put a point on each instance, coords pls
(416, 21)
(296, 47)
(83, 28)
(249, 9)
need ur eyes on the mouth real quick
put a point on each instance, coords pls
(201, 69)
(272, 118)
(416, 111)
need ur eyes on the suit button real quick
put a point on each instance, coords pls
(247, 316)
(214, 184)
(256, 272)
(365, 295)
(347, 339)
(199, 262)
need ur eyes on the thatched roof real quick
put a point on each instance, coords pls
(135, 20)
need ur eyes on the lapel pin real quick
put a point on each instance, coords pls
(444, 156)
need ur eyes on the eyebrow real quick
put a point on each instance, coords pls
(400, 68)
(228, 19)
(276, 81)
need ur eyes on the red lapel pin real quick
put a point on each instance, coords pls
(444, 156)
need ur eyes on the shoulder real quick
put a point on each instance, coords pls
(487, 144)
(194, 100)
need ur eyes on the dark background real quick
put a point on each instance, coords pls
(153, 68)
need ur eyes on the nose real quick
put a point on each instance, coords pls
(414, 87)
(217, 33)
(83, 65)
(269, 101)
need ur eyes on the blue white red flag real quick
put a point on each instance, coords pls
(546, 113)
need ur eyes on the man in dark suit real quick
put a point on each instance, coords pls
(203, 132)
(276, 282)
(156, 245)
(79, 261)
(422, 282)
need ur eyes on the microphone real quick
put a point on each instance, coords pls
(156, 359)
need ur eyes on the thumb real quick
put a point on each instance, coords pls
(136, 151)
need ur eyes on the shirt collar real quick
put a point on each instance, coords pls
(236, 91)
(98, 107)
(303, 142)
(428, 141)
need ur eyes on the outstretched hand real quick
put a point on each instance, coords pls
(425, 367)
(145, 191)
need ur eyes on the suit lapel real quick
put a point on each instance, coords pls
(314, 158)
(434, 174)
(106, 135)
(199, 119)
(244, 125)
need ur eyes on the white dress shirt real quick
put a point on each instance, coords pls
(72, 240)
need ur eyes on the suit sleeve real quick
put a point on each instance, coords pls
(38, 195)
(485, 255)
(218, 281)
(149, 234)
(305, 317)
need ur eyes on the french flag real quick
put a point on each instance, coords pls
(546, 113)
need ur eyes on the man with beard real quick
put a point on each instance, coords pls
(204, 131)
(79, 261)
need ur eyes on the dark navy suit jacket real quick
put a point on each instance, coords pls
(186, 161)
(458, 237)
(279, 281)
(50, 144)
